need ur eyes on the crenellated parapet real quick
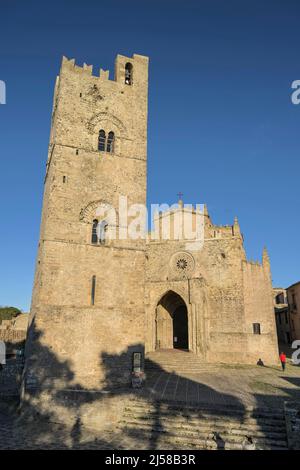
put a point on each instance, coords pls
(85, 69)
(120, 67)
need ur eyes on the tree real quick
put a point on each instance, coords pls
(7, 313)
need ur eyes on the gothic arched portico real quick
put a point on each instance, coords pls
(172, 324)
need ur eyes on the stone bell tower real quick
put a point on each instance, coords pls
(88, 297)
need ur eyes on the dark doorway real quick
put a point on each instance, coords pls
(171, 322)
(180, 328)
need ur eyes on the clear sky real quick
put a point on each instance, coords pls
(222, 127)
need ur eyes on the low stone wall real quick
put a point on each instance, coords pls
(292, 418)
(93, 409)
(12, 336)
(11, 377)
(13, 332)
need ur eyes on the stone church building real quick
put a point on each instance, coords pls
(98, 299)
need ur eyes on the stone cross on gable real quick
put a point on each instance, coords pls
(180, 202)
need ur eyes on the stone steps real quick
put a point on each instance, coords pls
(202, 427)
(146, 405)
(185, 432)
(177, 361)
(256, 420)
(205, 422)
(172, 355)
(177, 369)
(199, 443)
(231, 425)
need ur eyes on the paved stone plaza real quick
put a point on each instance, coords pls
(227, 385)
(212, 386)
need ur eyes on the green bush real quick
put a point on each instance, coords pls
(7, 313)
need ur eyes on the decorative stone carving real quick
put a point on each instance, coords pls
(106, 120)
(95, 208)
(95, 94)
(182, 265)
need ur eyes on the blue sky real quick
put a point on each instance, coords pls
(222, 127)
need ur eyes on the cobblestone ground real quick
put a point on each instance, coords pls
(251, 386)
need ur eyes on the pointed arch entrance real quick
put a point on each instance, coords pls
(172, 330)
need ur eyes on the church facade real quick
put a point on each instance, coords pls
(98, 298)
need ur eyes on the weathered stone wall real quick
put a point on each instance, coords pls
(293, 294)
(292, 418)
(258, 298)
(282, 315)
(12, 336)
(91, 343)
(224, 295)
(77, 344)
(13, 332)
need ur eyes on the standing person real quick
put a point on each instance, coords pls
(282, 360)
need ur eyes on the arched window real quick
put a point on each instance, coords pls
(102, 141)
(94, 231)
(110, 142)
(103, 227)
(128, 73)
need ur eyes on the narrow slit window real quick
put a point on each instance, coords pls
(256, 328)
(93, 291)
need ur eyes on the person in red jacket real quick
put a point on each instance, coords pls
(282, 358)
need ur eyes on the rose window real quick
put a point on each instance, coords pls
(182, 263)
